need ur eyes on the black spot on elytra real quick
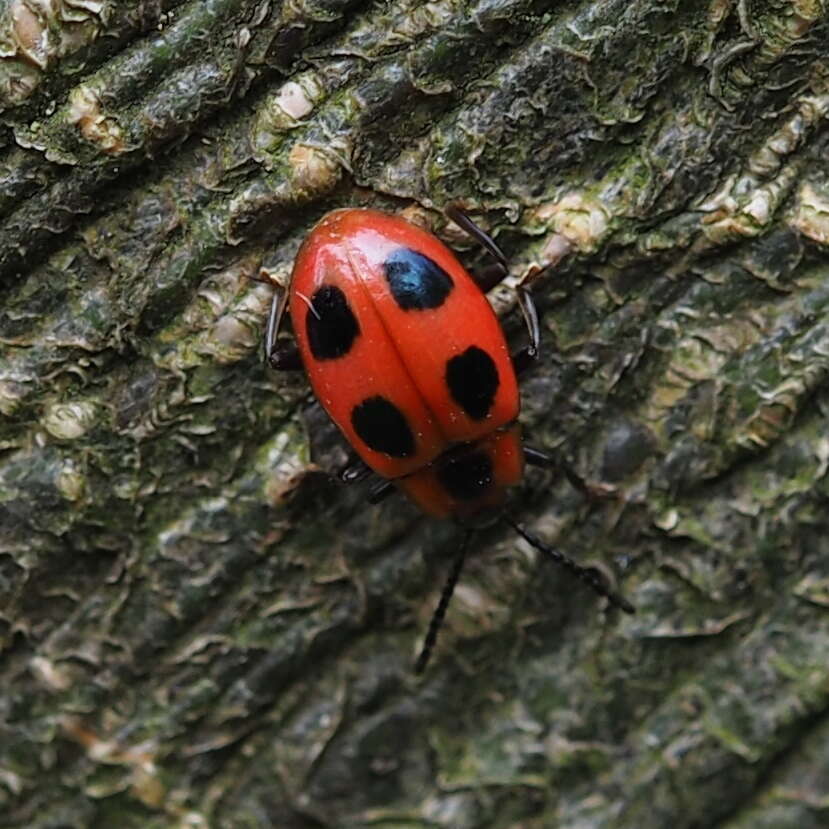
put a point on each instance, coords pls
(330, 323)
(467, 476)
(383, 427)
(417, 283)
(472, 378)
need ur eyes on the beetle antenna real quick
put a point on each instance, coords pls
(440, 610)
(585, 574)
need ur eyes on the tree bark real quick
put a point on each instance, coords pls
(198, 627)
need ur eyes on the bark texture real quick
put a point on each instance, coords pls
(199, 628)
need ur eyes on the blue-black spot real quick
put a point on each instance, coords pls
(466, 476)
(472, 378)
(417, 282)
(383, 427)
(330, 323)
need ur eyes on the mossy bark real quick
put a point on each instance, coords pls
(198, 627)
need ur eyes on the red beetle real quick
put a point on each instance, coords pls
(406, 355)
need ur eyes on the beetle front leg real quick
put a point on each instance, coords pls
(491, 276)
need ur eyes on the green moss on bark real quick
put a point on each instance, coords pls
(198, 627)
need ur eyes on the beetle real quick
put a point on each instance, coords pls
(407, 356)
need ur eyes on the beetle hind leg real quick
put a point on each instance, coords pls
(555, 461)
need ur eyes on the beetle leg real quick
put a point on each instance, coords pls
(380, 491)
(524, 358)
(281, 356)
(538, 457)
(285, 358)
(550, 460)
(355, 470)
(490, 277)
(553, 460)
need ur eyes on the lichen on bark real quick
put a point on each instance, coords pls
(198, 627)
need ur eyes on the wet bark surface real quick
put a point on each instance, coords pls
(199, 627)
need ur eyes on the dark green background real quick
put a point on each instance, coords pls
(198, 628)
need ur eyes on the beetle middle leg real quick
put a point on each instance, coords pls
(492, 275)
